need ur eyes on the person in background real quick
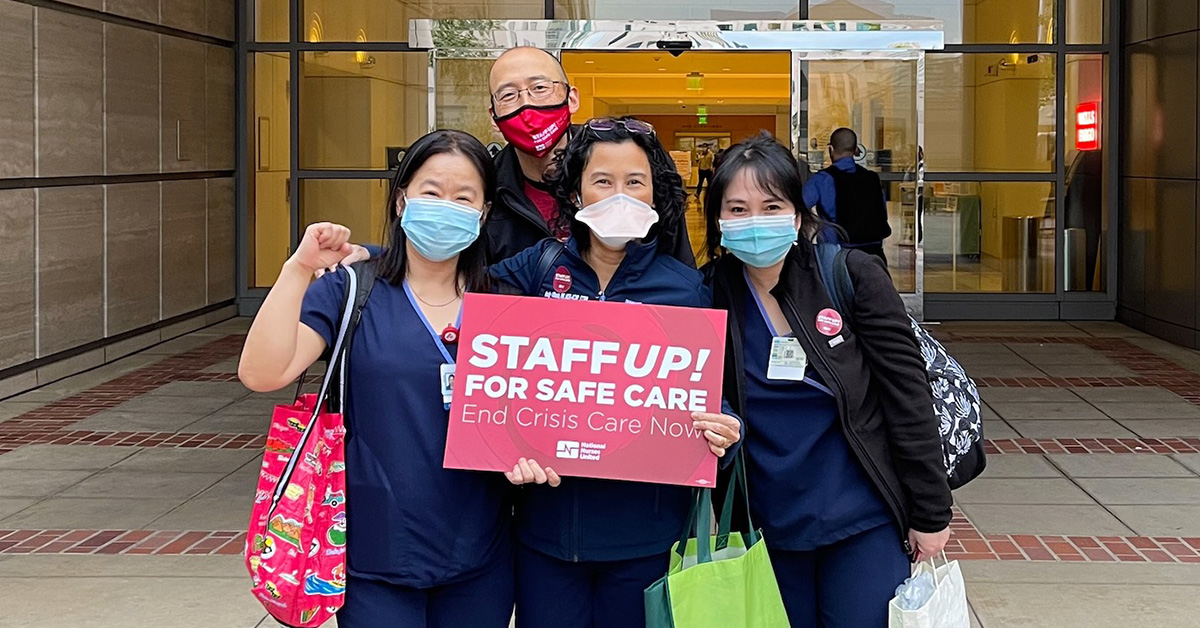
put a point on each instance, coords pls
(704, 165)
(850, 196)
(531, 104)
(843, 455)
(427, 547)
(588, 549)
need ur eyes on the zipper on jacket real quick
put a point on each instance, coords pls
(543, 225)
(851, 437)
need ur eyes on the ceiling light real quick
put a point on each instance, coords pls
(589, 61)
(662, 69)
(724, 69)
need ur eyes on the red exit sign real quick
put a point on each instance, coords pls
(1087, 126)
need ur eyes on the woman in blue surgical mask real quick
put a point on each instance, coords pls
(587, 549)
(425, 546)
(842, 448)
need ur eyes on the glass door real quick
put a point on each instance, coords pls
(880, 96)
(865, 76)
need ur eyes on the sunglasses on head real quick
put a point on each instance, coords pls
(603, 125)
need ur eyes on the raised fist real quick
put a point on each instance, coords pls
(324, 244)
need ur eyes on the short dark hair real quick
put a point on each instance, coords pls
(774, 169)
(844, 141)
(566, 177)
(393, 264)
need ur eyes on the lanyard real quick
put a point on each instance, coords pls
(437, 338)
(774, 334)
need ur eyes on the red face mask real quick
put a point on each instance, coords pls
(536, 130)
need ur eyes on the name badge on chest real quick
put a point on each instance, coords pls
(447, 383)
(788, 360)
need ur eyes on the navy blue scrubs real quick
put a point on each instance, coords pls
(421, 539)
(834, 544)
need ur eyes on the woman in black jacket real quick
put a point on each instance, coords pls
(843, 453)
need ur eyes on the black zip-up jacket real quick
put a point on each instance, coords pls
(514, 223)
(875, 372)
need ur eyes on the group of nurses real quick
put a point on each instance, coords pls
(835, 437)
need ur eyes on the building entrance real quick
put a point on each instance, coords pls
(705, 85)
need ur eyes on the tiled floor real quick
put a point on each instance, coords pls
(141, 471)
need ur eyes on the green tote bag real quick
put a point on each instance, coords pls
(724, 581)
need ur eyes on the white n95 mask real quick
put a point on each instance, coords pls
(618, 219)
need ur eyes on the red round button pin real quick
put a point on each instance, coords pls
(450, 334)
(562, 279)
(829, 322)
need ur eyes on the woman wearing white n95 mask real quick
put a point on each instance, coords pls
(426, 546)
(588, 549)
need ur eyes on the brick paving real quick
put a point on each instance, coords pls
(52, 423)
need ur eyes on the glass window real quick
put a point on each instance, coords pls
(965, 21)
(1087, 21)
(464, 98)
(989, 112)
(271, 20)
(877, 99)
(676, 10)
(270, 217)
(387, 20)
(355, 203)
(1087, 144)
(989, 236)
(354, 106)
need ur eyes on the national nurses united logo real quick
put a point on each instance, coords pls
(568, 449)
(562, 279)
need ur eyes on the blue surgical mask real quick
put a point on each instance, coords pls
(439, 229)
(759, 241)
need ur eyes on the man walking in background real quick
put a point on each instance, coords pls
(704, 164)
(850, 196)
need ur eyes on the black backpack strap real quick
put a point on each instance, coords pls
(843, 285)
(366, 282)
(835, 274)
(554, 249)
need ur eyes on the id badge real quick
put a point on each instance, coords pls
(447, 381)
(788, 360)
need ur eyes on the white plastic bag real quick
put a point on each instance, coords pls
(947, 608)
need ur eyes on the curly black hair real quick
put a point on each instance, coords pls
(566, 176)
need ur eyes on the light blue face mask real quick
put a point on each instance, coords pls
(759, 241)
(439, 229)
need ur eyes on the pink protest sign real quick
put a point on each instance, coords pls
(591, 389)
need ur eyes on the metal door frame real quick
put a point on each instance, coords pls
(806, 40)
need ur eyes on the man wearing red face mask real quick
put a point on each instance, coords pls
(531, 103)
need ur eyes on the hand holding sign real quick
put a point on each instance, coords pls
(606, 390)
(528, 472)
(721, 430)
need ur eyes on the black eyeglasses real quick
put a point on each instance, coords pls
(540, 92)
(604, 125)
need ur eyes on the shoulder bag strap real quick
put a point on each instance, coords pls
(336, 358)
(547, 260)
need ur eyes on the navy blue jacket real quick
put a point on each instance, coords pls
(595, 520)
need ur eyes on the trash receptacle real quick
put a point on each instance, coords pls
(1021, 259)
